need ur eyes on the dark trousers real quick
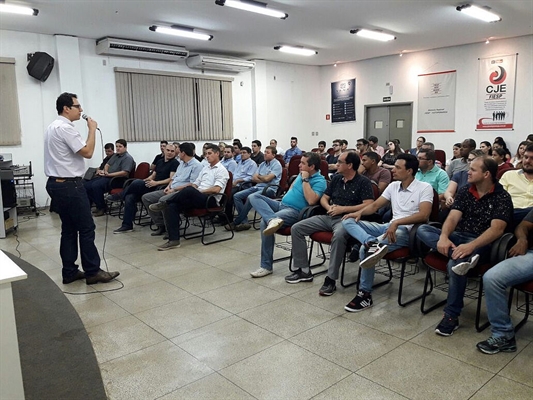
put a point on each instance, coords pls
(131, 195)
(96, 188)
(186, 199)
(70, 201)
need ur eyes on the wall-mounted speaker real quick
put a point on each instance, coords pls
(40, 66)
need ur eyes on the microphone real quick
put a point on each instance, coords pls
(85, 116)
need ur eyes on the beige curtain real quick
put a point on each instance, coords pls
(10, 131)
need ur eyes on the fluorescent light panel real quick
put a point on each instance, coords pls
(181, 31)
(12, 9)
(376, 35)
(253, 6)
(479, 13)
(301, 51)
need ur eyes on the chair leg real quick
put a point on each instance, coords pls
(343, 283)
(527, 311)
(479, 327)
(429, 282)
(401, 302)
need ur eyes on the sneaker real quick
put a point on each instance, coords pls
(362, 301)
(160, 206)
(273, 225)
(160, 231)
(171, 244)
(373, 254)
(122, 229)
(113, 197)
(260, 272)
(299, 276)
(494, 345)
(464, 267)
(242, 227)
(447, 326)
(354, 254)
(230, 226)
(328, 288)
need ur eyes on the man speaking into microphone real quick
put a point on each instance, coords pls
(64, 154)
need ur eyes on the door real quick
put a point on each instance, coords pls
(393, 121)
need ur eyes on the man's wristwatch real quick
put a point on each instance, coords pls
(305, 180)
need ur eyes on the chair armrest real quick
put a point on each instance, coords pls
(222, 202)
(117, 182)
(500, 247)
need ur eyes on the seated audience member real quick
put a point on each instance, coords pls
(280, 151)
(322, 151)
(431, 146)
(516, 269)
(119, 165)
(242, 178)
(196, 155)
(529, 137)
(292, 151)
(430, 173)
(486, 148)
(237, 146)
(419, 142)
(479, 216)
(188, 170)
(362, 146)
(160, 156)
(373, 141)
(257, 154)
(519, 184)
(222, 146)
(459, 179)
(347, 192)
(461, 164)
(371, 169)
(456, 153)
(306, 190)
(498, 155)
(109, 150)
(500, 143)
(517, 159)
(177, 145)
(227, 161)
(332, 158)
(161, 176)
(411, 202)
(211, 180)
(344, 145)
(268, 173)
(389, 159)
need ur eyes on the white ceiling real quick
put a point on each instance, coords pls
(322, 25)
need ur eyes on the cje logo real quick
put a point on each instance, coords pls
(498, 77)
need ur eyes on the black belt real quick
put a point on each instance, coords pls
(58, 179)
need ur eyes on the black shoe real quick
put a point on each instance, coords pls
(362, 301)
(123, 229)
(494, 345)
(299, 276)
(328, 288)
(114, 198)
(354, 254)
(160, 231)
(101, 277)
(447, 326)
(79, 275)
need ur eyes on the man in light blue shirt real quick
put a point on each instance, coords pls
(228, 162)
(242, 178)
(185, 175)
(431, 173)
(268, 173)
(293, 151)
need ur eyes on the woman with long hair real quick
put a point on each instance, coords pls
(456, 151)
(486, 148)
(390, 156)
(517, 159)
(500, 143)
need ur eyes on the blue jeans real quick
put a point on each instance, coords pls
(131, 195)
(243, 206)
(70, 201)
(496, 280)
(96, 188)
(365, 232)
(268, 209)
(429, 235)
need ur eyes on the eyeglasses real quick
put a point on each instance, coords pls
(78, 106)
(422, 159)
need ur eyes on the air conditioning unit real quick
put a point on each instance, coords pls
(220, 64)
(132, 48)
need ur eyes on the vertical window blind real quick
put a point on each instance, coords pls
(157, 105)
(10, 131)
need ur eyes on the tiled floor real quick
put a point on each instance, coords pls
(191, 323)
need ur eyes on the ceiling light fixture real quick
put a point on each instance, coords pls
(371, 34)
(12, 9)
(298, 50)
(253, 6)
(481, 13)
(181, 31)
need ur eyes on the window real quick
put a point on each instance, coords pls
(157, 105)
(10, 132)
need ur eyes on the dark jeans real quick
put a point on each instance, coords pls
(71, 203)
(184, 200)
(96, 188)
(131, 195)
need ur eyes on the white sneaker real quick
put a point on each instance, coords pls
(373, 254)
(259, 273)
(273, 225)
(464, 267)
